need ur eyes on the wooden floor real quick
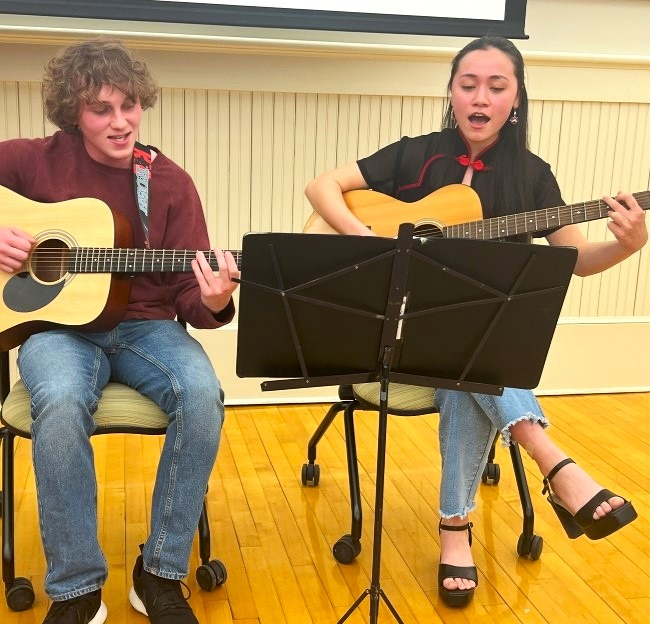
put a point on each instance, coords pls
(275, 536)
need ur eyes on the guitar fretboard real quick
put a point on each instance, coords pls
(111, 260)
(536, 220)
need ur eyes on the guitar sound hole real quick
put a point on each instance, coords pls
(49, 261)
(427, 230)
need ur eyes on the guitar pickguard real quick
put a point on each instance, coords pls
(22, 293)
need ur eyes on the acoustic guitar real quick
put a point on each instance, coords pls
(454, 211)
(77, 273)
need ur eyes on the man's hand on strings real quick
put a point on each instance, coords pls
(216, 288)
(15, 246)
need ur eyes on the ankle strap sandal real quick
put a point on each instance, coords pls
(583, 521)
(456, 597)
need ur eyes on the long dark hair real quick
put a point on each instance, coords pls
(511, 186)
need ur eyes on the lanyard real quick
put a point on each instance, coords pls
(141, 177)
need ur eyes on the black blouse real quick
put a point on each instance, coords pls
(414, 167)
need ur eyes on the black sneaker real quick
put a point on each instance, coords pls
(87, 609)
(160, 599)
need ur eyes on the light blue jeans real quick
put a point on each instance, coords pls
(468, 424)
(65, 372)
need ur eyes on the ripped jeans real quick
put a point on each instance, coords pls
(468, 423)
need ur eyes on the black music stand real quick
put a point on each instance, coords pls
(320, 310)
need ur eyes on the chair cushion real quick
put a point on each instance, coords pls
(120, 409)
(403, 399)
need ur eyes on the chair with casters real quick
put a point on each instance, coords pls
(121, 410)
(403, 400)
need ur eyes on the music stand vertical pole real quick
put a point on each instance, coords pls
(391, 336)
(375, 591)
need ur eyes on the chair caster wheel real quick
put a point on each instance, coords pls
(210, 575)
(346, 549)
(491, 474)
(310, 474)
(19, 594)
(532, 548)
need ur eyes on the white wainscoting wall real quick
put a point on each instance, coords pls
(253, 116)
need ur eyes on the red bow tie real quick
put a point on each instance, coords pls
(464, 160)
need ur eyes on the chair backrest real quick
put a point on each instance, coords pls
(5, 383)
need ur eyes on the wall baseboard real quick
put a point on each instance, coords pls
(587, 356)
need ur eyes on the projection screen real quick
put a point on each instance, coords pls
(464, 18)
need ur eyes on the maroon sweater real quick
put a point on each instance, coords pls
(58, 168)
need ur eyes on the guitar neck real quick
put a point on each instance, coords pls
(131, 261)
(536, 220)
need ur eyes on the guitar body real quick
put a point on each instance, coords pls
(449, 205)
(41, 295)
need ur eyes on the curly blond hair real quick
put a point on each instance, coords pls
(76, 75)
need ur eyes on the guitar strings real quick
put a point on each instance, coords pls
(518, 223)
(98, 259)
(494, 227)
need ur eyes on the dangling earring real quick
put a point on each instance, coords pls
(514, 120)
(452, 117)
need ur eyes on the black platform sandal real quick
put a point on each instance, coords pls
(583, 521)
(456, 597)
